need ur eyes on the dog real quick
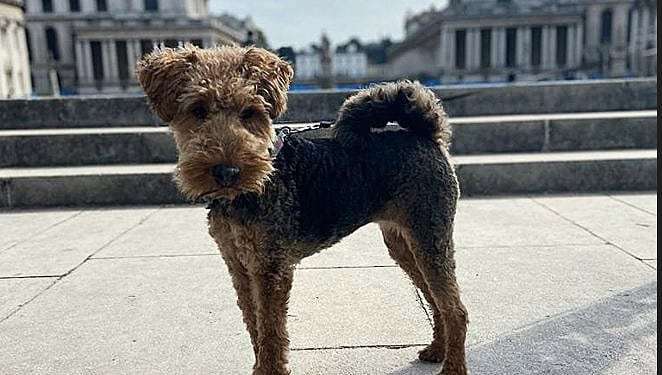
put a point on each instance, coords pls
(270, 206)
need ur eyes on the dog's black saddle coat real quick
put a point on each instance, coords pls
(322, 191)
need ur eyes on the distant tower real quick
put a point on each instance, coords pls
(326, 79)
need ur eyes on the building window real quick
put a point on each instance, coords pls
(561, 46)
(74, 5)
(536, 46)
(152, 5)
(460, 49)
(197, 42)
(485, 48)
(97, 60)
(102, 6)
(122, 61)
(606, 26)
(171, 43)
(52, 44)
(47, 6)
(511, 47)
(146, 46)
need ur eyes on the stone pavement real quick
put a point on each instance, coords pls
(553, 284)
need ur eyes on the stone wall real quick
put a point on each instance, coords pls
(459, 101)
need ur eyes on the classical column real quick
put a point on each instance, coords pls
(442, 49)
(114, 69)
(14, 64)
(133, 53)
(494, 47)
(80, 64)
(87, 61)
(546, 52)
(4, 86)
(27, 80)
(502, 47)
(105, 55)
(570, 46)
(579, 45)
(634, 40)
(470, 46)
(452, 50)
(522, 48)
(552, 47)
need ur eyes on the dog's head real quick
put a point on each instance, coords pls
(220, 104)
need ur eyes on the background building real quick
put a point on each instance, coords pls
(14, 64)
(352, 63)
(502, 40)
(91, 46)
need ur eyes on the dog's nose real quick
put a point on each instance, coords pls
(224, 175)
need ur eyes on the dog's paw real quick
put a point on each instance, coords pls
(262, 371)
(450, 369)
(432, 354)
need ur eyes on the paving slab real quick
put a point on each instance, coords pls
(628, 228)
(16, 292)
(363, 248)
(180, 231)
(615, 335)
(485, 222)
(17, 226)
(391, 361)
(509, 289)
(355, 307)
(61, 248)
(544, 297)
(133, 316)
(644, 201)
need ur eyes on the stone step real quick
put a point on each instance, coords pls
(588, 171)
(467, 100)
(472, 135)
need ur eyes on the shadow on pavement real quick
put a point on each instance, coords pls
(586, 341)
(592, 340)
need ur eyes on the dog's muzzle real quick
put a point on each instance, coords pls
(224, 175)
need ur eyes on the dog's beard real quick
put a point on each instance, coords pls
(196, 183)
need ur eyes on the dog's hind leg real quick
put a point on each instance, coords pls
(433, 252)
(398, 242)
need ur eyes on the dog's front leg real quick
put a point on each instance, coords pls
(242, 284)
(272, 282)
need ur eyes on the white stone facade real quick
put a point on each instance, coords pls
(91, 46)
(642, 44)
(500, 40)
(350, 63)
(14, 63)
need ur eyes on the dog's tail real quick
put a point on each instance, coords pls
(411, 105)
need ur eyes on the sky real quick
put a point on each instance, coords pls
(300, 22)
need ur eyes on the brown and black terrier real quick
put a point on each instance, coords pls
(270, 210)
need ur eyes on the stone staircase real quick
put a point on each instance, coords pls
(523, 139)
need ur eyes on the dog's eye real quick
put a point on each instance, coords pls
(248, 113)
(200, 112)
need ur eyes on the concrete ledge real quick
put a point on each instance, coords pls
(558, 172)
(36, 148)
(479, 175)
(552, 97)
(51, 148)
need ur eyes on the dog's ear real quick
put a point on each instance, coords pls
(162, 74)
(272, 75)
